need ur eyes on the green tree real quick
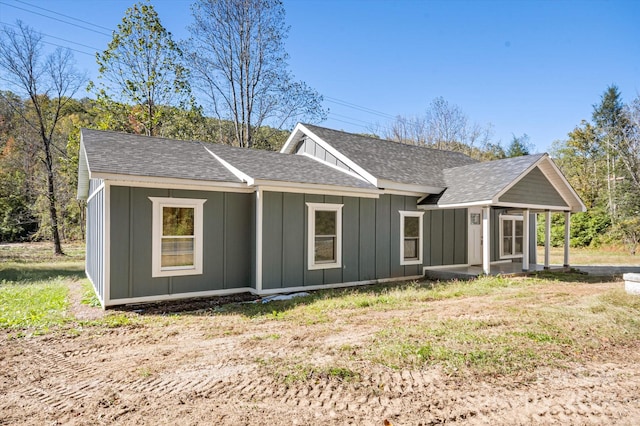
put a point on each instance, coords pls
(519, 146)
(48, 83)
(611, 124)
(141, 73)
(238, 58)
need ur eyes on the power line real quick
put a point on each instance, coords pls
(57, 19)
(61, 14)
(57, 38)
(359, 107)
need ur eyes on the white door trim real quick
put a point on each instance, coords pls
(474, 236)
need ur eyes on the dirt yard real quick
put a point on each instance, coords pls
(203, 368)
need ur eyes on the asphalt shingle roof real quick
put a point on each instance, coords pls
(274, 166)
(394, 161)
(127, 154)
(481, 181)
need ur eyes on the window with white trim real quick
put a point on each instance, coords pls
(411, 237)
(324, 234)
(511, 236)
(177, 237)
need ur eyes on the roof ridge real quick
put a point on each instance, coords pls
(385, 140)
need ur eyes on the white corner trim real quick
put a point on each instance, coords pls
(420, 216)
(235, 171)
(106, 256)
(312, 208)
(198, 236)
(259, 218)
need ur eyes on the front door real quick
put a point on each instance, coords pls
(475, 236)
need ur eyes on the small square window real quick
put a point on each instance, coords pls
(474, 219)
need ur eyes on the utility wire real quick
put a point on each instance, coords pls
(57, 38)
(359, 107)
(57, 19)
(63, 15)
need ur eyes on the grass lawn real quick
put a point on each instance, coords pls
(590, 256)
(526, 322)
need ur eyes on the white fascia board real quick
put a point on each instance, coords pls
(84, 173)
(546, 160)
(288, 146)
(172, 183)
(236, 172)
(333, 166)
(385, 184)
(340, 156)
(341, 191)
(481, 203)
(580, 207)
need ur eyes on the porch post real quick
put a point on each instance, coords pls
(567, 237)
(486, 240)
(547, 237)
(525, 240)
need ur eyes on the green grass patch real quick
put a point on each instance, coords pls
(89, 296)
(38, 305)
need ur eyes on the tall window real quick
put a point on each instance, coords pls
(324, 236)
(177, 236)
(511, 236)
(411, 238)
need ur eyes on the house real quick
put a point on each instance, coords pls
(170, 219)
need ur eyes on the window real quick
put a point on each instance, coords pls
(511, 236)
(177, 237)
(411, 238)
(324, 236)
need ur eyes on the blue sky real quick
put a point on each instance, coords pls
(534, 67)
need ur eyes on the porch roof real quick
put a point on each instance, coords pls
(531, 181)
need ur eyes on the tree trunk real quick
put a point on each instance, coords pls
(51, 195)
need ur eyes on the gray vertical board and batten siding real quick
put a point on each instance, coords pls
(446, 237)
(95, 237)
(227, 243)
(534, 188)
(370, 239)
(310, 147)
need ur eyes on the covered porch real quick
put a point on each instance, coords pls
(504, 200)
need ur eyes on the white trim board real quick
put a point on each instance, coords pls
(165, 182)
(238, 290)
